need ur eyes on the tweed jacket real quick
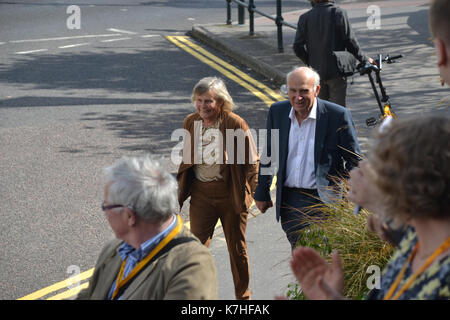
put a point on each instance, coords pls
(185, 272)
(241, 175)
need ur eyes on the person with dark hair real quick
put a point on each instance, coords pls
(321, 30)
(410, 166)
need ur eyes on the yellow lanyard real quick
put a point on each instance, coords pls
(121, 282)
(444, 246)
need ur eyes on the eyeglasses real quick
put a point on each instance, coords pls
(114, 206)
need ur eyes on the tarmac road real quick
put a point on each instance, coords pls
(74, 101)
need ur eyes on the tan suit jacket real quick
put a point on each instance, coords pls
(241, 178)
(185, 272)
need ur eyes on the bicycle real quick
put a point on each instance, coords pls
(383, 102)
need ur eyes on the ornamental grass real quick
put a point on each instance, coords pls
(343, 230)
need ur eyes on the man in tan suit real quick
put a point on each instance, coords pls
(154, 256)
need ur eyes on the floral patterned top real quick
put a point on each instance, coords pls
(432, 284)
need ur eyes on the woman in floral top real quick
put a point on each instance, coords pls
(410, 168)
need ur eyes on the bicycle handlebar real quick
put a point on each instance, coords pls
(367, 67)
(389, 59)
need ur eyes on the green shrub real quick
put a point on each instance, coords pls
(346, 232)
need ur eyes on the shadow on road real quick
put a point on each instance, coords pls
(141, 71)
(139, 95)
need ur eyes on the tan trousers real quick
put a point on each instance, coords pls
(210, 201)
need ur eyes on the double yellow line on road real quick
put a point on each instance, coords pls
(68, 283)
(257, 88)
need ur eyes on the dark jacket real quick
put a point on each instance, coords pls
(336, 149)
(313, 39)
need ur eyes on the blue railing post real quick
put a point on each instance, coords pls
(279, 21)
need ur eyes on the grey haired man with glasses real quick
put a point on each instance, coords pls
(154, 256)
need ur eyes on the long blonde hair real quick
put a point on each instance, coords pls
(219, 89)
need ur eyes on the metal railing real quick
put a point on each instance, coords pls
(279, 21)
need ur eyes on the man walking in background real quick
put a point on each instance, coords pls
(321, 30)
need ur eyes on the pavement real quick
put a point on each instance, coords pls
(413, 85)
(269, 254)
(260, 51)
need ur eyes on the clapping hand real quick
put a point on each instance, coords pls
(318, 279)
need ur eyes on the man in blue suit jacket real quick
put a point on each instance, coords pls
(316, 142)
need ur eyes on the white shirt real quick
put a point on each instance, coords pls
(209, 169)
(300, 161)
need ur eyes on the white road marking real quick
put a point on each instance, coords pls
(121, 31)
(65, 38)
(74, 45)
(77, 37)
(150, 35)
(31, 51)
(118, 39)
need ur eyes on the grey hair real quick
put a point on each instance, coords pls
(220, 92)
(310, 70)
(144, 185)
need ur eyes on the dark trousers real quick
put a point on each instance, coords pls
(210, 201)
(334, 90)
(295, 205)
